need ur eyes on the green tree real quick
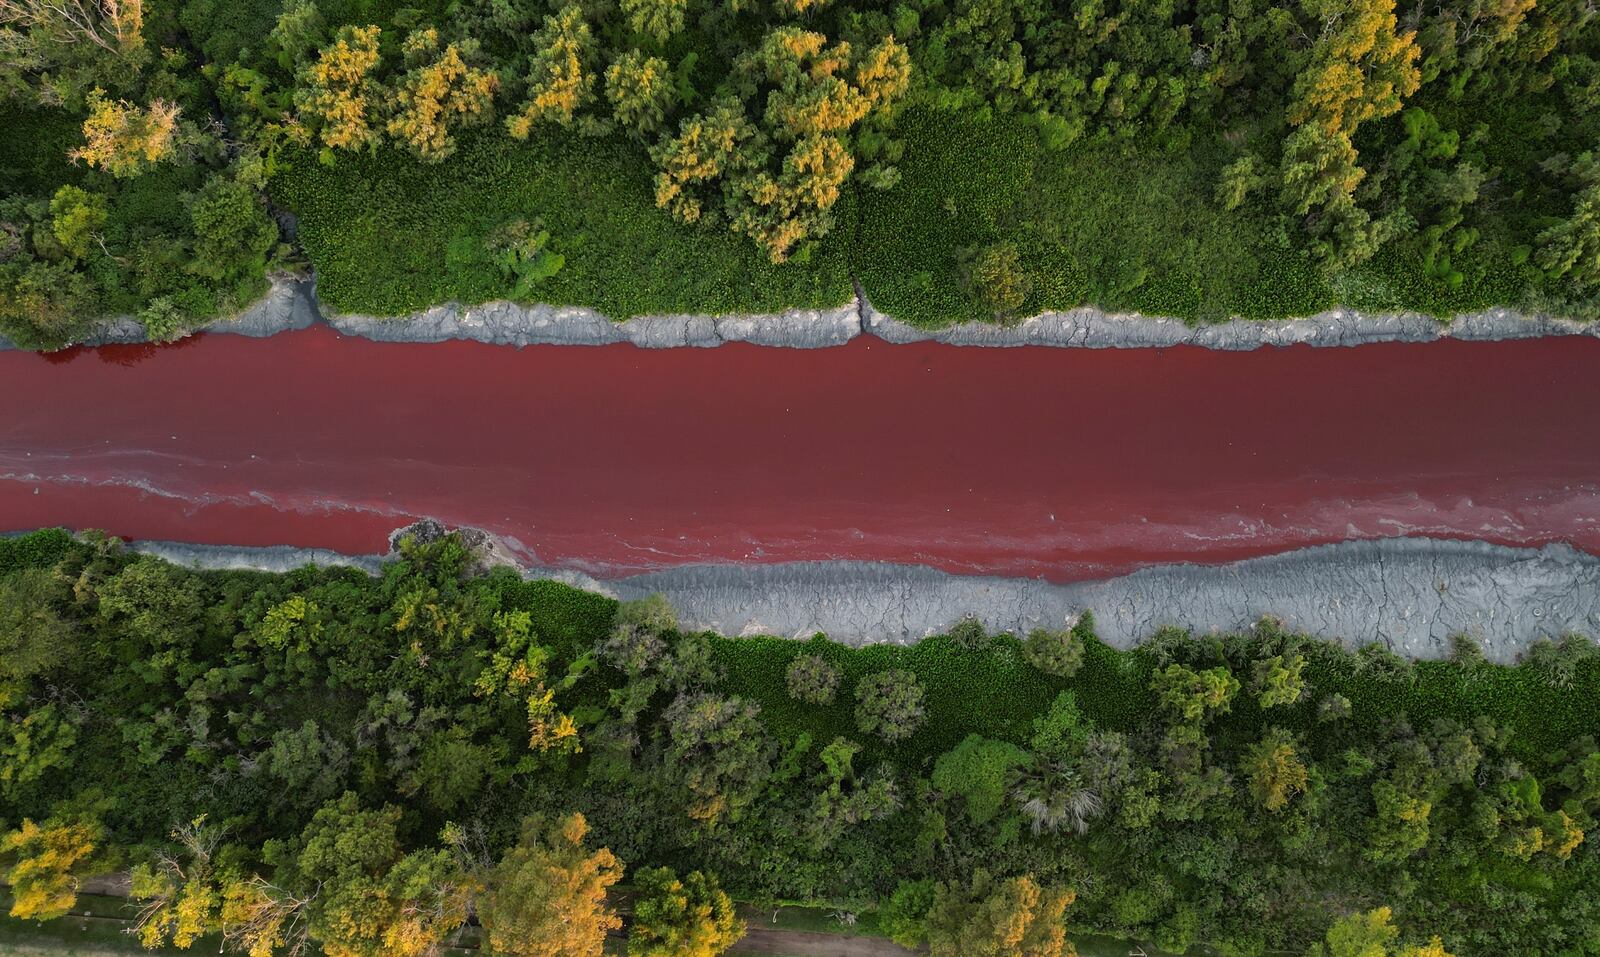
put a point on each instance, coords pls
(154, 604)
(905, 917)
(1370, 934)
(718, 753)
(890, 705)
(1275, 770)
(76, 219)
(369, 898)
(1053, 792)
(1239, 179)
(811, 679)
(36, 636)
(547, 896)
(1057, 652)
(1570, 249)
(659, 20)
(979, 770)
(995, 276)
(846, 798)
(1279, 680)
(31, 745)
(640, 90)
(233, 233)
(690, 917)
(1195, 695)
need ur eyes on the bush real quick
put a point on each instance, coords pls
(812, 680)
(691, 917)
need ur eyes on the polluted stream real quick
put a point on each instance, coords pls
(1060, 464)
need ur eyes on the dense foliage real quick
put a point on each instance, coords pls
(365, 762)
(963, 159)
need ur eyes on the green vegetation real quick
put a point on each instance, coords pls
(390, 235)
(365, 762)
(963, 159)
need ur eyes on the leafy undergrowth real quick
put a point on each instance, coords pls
(389, 235)
(1125, 230)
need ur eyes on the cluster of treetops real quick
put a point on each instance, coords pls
(369, 765)
(1357, 125)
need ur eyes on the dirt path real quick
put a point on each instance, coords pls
(799, 943)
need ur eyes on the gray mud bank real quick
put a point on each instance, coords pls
(1410, 594)
(291, 304)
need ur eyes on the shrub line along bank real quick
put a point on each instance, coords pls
(290, 304)
(1412, 595)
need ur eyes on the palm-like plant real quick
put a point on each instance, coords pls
(1054, 797)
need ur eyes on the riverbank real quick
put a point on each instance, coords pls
(293, 304)
(1411, 594)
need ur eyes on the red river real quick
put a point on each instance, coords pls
(1059, 463)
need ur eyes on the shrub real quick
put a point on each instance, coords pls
(969, 633)
(1054, 652)
(905, 917)
(996, 279)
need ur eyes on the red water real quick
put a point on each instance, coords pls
(1053, 462)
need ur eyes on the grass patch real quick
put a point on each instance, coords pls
(389, 235)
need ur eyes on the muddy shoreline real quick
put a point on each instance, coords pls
(292, 304)
(1412, 594)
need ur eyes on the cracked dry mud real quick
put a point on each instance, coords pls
(1412, 594)
(291, 304)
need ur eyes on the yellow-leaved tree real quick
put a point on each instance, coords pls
(339, 92)
(547, 896)
(639, 88)
(50, 859)
(124, 139)
(1371, 934)
(1361, 68)
(561, 74)
(438, 91)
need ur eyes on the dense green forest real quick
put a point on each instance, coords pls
(962, 159)
(328, 759)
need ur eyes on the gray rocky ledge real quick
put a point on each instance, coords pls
(1411, 594)
(292, 304)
